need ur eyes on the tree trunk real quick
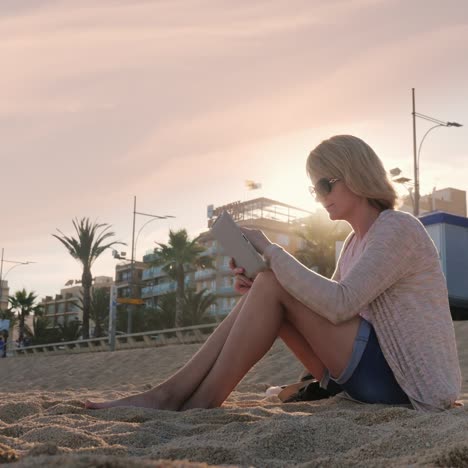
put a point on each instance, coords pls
(179, 295)
(86, 282)
(97, 330)
(21, 325)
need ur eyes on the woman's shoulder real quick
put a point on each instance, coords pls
(398, 216)
(397, 224)
(400, 219)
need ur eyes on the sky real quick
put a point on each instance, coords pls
(178, 102)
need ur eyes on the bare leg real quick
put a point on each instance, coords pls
(256, 328)
(172, 393)
(241, 340)
(300, 347)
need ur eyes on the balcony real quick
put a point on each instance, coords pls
(213, 250)
(205, 274)
(222, 311)
(61, 313)
(146, 292)
(224, 269)
(158, 289)
(153, 272)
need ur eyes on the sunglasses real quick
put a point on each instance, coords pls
(322, 187)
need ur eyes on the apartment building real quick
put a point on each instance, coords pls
(278, 220)
(123, 279)
(448, 200)
(65, 306)
(4, 293)
(156, 283)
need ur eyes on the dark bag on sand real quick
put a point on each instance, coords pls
(308, 389)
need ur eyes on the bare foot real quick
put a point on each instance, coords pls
(155, 398)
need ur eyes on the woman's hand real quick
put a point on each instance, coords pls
(257, 239)
(242, 284)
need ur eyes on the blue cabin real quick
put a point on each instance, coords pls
(450, 235)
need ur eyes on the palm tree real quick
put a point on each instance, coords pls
(320, 236)
(99, 312)
(22, 304)
(196, 304)
(178, 257)
(42, 332)
(70, 330)
(86, 248)
(163, 315)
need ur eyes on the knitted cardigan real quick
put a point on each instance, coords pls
(399, 277)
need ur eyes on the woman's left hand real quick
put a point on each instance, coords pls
(257, 239)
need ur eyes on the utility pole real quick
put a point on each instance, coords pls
(133, 281)
(417, 150)
(132, 272)
(2, 278)
(112, 316)
(1, 271)
(415, 155)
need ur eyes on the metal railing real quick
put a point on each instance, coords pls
(153, 272)
(204, 274)
(181, 335)
(158, 289)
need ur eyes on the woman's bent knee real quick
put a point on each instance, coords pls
(267, 278)
(267, 281)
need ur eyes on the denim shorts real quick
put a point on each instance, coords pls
(368, 377)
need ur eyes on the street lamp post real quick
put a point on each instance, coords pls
(3, 276)
(132, 264)
(417, 151)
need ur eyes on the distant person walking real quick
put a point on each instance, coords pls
(380, 328)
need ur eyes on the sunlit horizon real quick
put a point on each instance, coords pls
(179, 103)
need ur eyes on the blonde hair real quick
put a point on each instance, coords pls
(353, 161)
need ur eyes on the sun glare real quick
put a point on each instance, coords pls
(281, 170)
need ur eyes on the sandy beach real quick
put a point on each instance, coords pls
(43, 421)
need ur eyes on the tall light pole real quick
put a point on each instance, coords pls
(132, 264)
(3, 276)
(417, 151)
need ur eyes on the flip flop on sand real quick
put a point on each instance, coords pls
(292, 389)
(308, 390)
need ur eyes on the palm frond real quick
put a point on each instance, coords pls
(179, 256)
(91, 240)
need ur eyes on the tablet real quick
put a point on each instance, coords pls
(236, 245)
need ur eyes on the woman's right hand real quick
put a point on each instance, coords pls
(242, 284)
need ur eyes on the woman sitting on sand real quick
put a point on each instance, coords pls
(380, 328)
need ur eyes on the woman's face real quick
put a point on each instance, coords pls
(341, 202)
